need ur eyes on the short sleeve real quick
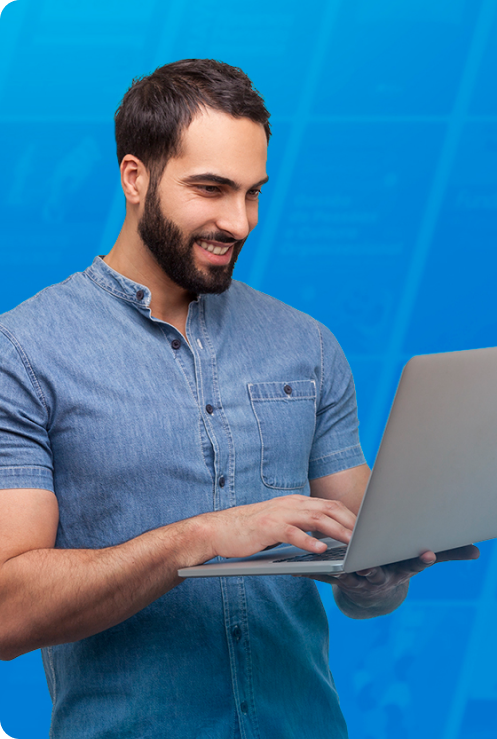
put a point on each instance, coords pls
(336, 444)
(25, 454)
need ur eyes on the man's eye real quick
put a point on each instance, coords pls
(254, 193)
(209, 188)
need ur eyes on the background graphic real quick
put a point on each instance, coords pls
(380, 219)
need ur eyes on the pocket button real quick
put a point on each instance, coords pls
(288, 389)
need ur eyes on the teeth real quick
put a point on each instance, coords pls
(213, 249)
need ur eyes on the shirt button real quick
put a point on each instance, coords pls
(176, 343)
(237, 632)
(209, 408)
(140, 294)
(244, 707)
(288, 389)
(221, 481)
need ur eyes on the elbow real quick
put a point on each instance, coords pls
(12, 642)
(8, 656)
(8, 651)
(11, 646)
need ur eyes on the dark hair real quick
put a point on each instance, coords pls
(156, 109)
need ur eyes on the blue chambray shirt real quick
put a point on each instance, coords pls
(133, 428)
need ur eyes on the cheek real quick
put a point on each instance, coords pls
(192, 214)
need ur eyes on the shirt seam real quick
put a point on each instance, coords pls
(27, 365)
(284, 400)
(38, 468)
(333, 454)
(231, 656)
(248, 656)
(321, 349)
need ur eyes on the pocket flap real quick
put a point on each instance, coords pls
(291, 390)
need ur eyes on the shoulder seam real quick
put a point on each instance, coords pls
(26, 364)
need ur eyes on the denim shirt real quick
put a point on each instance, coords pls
(132, 428)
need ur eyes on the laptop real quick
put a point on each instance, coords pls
(434, 482)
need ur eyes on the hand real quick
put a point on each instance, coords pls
(382, 589)
(245, 530)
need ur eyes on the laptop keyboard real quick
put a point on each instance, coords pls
(329, 555)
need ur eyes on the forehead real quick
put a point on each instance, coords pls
(217, 142)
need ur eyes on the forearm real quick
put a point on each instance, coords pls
(369, 607)
(53, 596)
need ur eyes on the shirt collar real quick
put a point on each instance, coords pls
(120, 286)
(117, 284)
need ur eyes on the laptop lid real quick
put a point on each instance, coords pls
(434, 482)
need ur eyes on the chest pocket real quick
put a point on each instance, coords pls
(286, 416)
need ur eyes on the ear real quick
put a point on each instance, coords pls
(134, 179)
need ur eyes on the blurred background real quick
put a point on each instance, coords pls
(380, 219)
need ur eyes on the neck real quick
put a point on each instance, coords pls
(130, 257)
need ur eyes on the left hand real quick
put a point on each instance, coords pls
(373, 587)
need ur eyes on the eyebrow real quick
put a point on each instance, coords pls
(211, 177)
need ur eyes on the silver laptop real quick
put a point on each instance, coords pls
(434, 482)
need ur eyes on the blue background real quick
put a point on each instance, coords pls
(380, 219)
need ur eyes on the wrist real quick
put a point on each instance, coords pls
(193, 539)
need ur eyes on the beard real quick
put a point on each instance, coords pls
(174, 253)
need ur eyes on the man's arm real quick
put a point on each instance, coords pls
(52, 596)
(347, 486)
(381, 590)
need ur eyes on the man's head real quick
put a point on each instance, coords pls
(196, 132)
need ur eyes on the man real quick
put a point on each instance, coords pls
(154, 415)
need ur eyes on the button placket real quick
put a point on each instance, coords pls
(232, 589)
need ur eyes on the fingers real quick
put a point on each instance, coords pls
(299, 514)
(294, 515)
(411, 567)
(298, 538)
(429, 558)
(370, 581)
(397, 571)
(376, 575)
(329, 517)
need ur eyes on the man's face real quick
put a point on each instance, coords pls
(198, 216)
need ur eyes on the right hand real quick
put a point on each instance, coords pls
(245, 530)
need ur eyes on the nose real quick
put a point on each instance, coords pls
(237, 218)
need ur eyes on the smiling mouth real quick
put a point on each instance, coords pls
(213, 248)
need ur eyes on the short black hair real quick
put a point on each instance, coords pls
(156, 109)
